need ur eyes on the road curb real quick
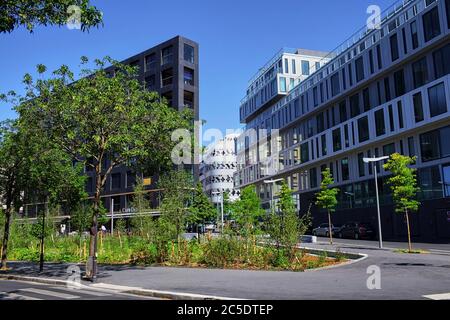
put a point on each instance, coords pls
(119, 289)
(353, 257)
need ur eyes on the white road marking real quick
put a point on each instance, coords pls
(442, 296)
(50, 293)
(16, 296)
(83, 291)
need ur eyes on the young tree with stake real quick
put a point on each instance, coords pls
(326, 198)
(403, 183)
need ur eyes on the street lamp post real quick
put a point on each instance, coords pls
(272, 183)
(374, 161)
(221, 206)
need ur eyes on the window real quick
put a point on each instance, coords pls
(343, 111)
(313, 178)
(323, 139)
(394, 47)
(167, 77)
(320, 122)
(363, 129)
(431, 27)
(399, 83)
(359, 66)
(380, 126)
(189, 53)
(346, 136)
(335, 88)
(354, 106)
(283, 84)
(317, 65)
(337, 145)
(345, 169)
(429, 146)
(379, 61)
(115, 181)
(167, 55)
(361, 165)
(438, 103)
(391, 118)
(420, 73)
(405, 46)
(371, 65)
(388, 149)
(366, 99)
(131, 179)
(414, 35)
(116, 202)
(411, 147)
(188, 76)
(294, 69)
(305, 68)
(418, 107)
(441, 60)
(286, 66)
(150, 82)
(150, 62)
(447, 10)
(387, 89)
(350, 74)
(188, 99)
(446, 169)
(315, 97)
(304, 152)
(400, 114)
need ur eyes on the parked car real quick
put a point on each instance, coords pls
(356, 230)
(323, 230)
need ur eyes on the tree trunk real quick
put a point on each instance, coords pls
(91, 268)
(409, 232)
(329, 227)
(8, 214)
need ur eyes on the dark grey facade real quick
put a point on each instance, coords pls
(172, 70)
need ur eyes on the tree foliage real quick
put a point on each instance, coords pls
(285, 227)
(247, 211)
(201, 208)
(403, 182)
(15, 13)
(177, 186)
(327, 197)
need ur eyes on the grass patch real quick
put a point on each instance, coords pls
(414, 251)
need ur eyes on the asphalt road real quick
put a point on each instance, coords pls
(402, 277)
(18, 290)
(432, 247)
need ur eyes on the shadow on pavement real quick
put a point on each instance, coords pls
(60, 270)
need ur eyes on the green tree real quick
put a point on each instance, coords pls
(12, 178)
(33, 169)
(101, 121)
(15, 13)
(247, 212)
(142, 221)
(285, 227)
(326, 198)
(177, 186)
(403, 183)
(201, 208)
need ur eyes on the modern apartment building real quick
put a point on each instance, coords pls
(217, 169)
(383, 91)
(171, 69)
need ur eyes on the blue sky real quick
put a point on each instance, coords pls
(236, 38)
